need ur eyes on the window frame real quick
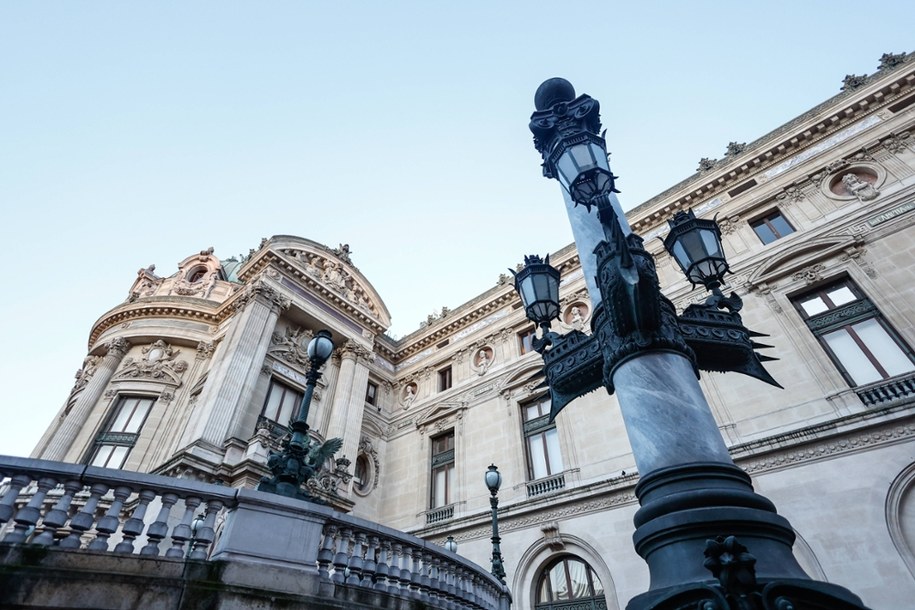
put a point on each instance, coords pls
(526, 340)
(442, 460)
(445, 379)
(371, 394)
(543, 582)
(286, 387)
(844, 317)
(115, 439)
(540, 426)
(765, 220)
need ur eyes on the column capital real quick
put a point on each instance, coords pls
(117, 346)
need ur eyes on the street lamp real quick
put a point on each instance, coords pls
(493, 480)
(302, 457)
(699, 513)
(450, 545)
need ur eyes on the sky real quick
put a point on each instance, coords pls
(138, 133)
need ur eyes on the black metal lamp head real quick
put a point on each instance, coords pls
(565, 132)
(695, 244)
(493, 479)
(320, 348)
(538, 285)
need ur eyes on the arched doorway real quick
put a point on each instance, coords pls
(569, 582)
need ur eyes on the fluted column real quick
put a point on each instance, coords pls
(60, 444)
(233, 375)
(349, 399)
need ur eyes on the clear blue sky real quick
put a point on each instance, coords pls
(141, 132)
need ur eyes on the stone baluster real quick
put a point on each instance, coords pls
(416, 574)
(133, 527)
(475, 585)
(435, 581)
(57, 516)
(425, 577)
(326, 552)
(451, 592)
(27, 517)
(158, 529)
(370, 568)
(62, 442)
(356, 562)
(381, 568)
(465, 588)
(203, 537)
(341, 559)
(182, 532)
(8, 502)
(109, 524)
(83, 520)
(403, 572)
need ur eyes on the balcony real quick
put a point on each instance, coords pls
(106, 536)
(887, 391)
(439, 514)
(547, 485)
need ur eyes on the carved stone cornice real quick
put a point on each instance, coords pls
(204, 350)
(775, 147)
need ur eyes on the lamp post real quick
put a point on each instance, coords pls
(493, 480)
(302, 457)
(699, 519)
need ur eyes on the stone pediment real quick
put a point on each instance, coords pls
(441, 414)
(159, 364)
(802, 255)
(326, 271)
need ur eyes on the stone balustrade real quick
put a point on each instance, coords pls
(887, 391)
(81, 509)
(546, 485)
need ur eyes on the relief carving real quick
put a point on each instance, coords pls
(159, 362)
(811, 274)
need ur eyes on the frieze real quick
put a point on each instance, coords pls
(291, 345)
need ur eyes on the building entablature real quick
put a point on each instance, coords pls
(877, 97)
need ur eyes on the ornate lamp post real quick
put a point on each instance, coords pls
(699, 515)
(493, 480)
(301, 456)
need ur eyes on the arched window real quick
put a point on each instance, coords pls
(566, 579)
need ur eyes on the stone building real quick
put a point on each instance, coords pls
(196, 373)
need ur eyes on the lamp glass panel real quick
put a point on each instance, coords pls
(493, 479)
(582, 156)
(600, 156)
(710, 240)
(528, 294)
(680, 255)
(566, 169)
(693, 244)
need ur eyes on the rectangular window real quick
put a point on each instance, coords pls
(120, 435)
(442, 470)
(854, 334)
(371, 393)
(281, 403)
(444, 379)
(771, 227)
(541, 439)
(526, 340)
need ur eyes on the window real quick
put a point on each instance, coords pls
(362, 475)
(112, 446)
(444, 379)
(282, 402)
(541, 440)
(442, 470)
(371, 393)
(857, 338)
(526, 340)
(771, 227)
(570, 578)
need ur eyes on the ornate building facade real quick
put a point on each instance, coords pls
(196, 374)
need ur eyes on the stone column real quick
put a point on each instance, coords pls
(349, 399)
(233, 375)
(58, 446)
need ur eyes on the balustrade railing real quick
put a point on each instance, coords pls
(437, 515)
(546, 485)
(79, 508)
(887, 391)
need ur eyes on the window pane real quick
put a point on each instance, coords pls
(852, 358)
(291, 400)
(814, 306)
(598, 587)
(272, 406)
(438, 488)
(538, 456)
(118, 457)
(578, 572)
(841, 295)
(138, 415)
(764, 233)
(123, 415)
(559, 583)
(883, 347)
(101, 456)
(544, 594)
(780, 225)
(554, 456)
